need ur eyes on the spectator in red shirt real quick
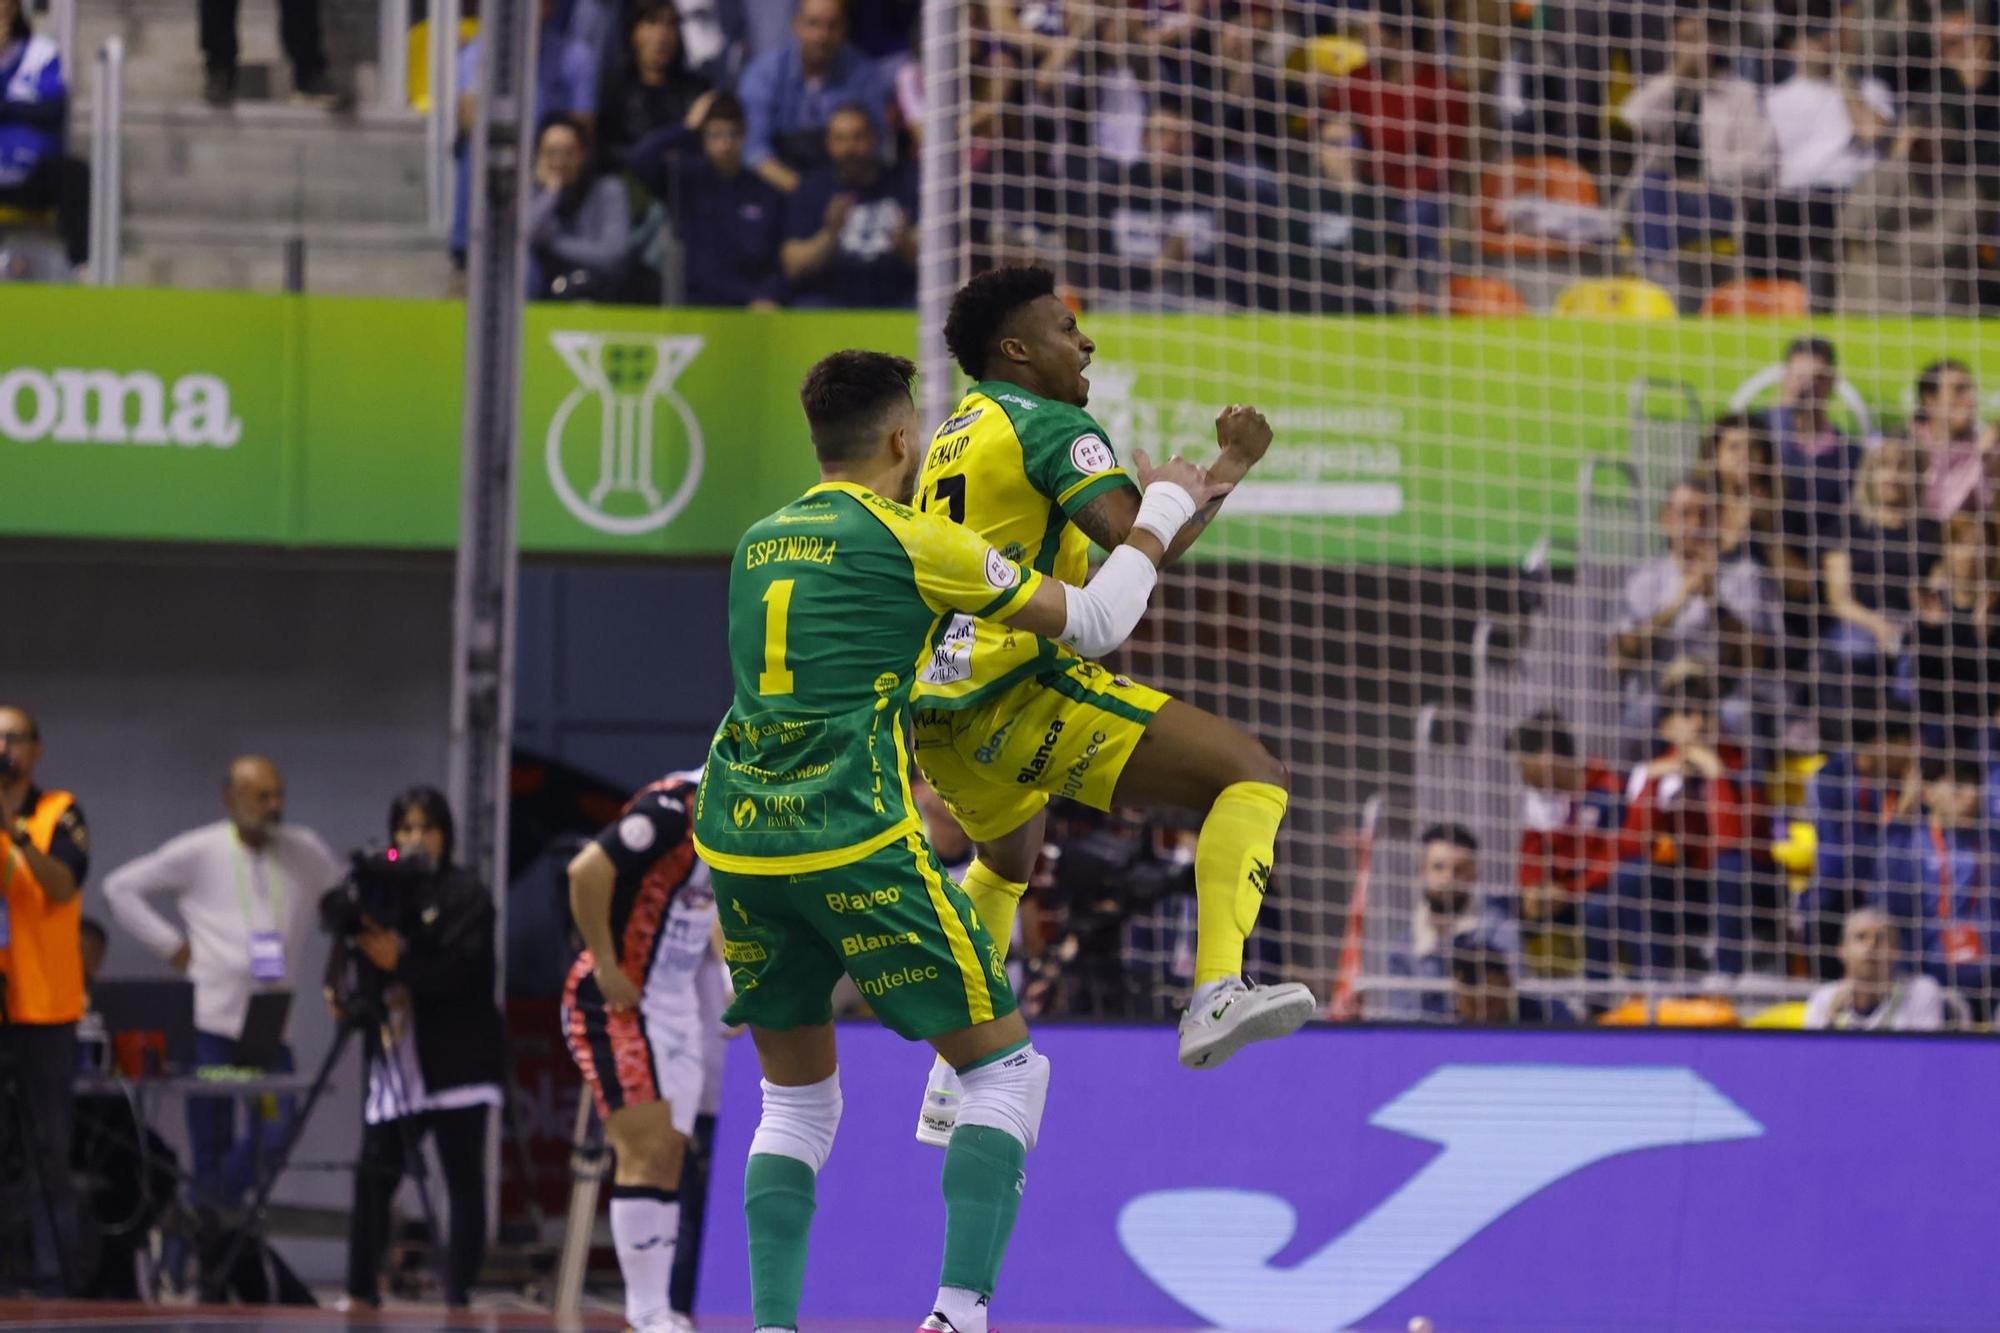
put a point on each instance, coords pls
(1413, 122)
(1684, 848)
(1569, 821)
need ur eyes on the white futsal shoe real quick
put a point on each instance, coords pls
(939, 1116)
(1227, 1015)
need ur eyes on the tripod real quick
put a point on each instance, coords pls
(215, 1277)
(17, 1108)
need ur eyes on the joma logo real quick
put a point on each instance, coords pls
(107, 407)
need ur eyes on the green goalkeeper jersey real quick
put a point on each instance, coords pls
(836, 602)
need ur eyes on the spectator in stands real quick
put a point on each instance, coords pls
(730, 220)
(1172, 231)
(790, 94)
(1688, 604)
(712, 32)
(1958, 455)
(1853, 801)
(1570, 815)
(1707, 141)
(1816, 461)
(579, 223)
(1939, 885)
(1340, 251)
(1875, 995)
(1734, 461)
(1483, 990)
(1684, 848)
(1872, 573)
(650, 90)
(1966, 93)
(851, 226)
(298, 30)
(1451, 913)
(1414, 123)
(1830, 121)
(1956, 632)
(35, 173)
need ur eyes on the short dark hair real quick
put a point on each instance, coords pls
(845, 396)
(854, 109)
(982, 307)
(726, 107)
(1932, 378)
(1544, 733)
(90, 925)
(1458, 835)
(436, 811)
(1807, 344)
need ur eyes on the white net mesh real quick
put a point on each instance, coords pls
(1626, 371)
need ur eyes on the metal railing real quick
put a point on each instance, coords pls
(441, 127)
(107, 163)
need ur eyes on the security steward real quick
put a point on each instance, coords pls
(44, 855)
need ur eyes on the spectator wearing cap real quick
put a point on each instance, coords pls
(1858, 795)
(1413, 121)
(790, 94)
(1874, 994)
(1707, 139)
(1688, 605)
(851, 225)
(1830, 121)
(1451, 913)
(730, 220)
(1959, 456)
(1939, 882)
(1684, 848)
(44, 859)
(650, 88)
(1571, 808)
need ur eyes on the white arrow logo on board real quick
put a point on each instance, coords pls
(1508, 1133)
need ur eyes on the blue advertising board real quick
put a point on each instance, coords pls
(1360, 1178)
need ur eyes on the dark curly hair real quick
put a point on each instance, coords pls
(982, 306)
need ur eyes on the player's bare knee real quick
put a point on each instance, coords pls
(1009, 858)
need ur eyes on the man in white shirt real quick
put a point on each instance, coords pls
(1830, 123)
(1872, 997)
(246, 888)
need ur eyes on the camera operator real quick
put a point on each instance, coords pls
(413, 959)
(44, 855)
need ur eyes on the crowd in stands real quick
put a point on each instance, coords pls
(1317, 157)
(1821, 606)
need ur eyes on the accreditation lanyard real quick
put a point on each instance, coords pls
(1959, 939)
(6, 883)
(267, 947)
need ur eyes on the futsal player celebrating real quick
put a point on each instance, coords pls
(1008, 719)
(806, 817)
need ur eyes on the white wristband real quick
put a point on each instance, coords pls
(1164, 510)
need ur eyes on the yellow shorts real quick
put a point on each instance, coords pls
(1068, 734)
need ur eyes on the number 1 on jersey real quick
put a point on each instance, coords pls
(776, 678)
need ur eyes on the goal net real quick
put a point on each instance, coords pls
(1626, 531)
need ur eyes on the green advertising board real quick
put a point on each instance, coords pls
(328, 422)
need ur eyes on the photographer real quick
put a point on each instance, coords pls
(412, 964)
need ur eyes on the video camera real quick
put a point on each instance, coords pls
(381, 885)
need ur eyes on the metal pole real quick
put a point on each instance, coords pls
(441, 130)
(482, 676)
(62, 18)
(938, 273)
(107, 164)
(392, 55)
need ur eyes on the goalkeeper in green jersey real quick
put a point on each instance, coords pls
(805, 816)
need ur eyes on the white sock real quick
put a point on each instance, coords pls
(645, 1222)
(965, 1309)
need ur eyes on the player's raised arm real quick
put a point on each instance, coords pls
(1243, 435)
(1098, 617)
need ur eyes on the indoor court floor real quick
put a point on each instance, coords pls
(110, 1317)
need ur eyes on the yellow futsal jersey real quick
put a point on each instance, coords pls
(1012, 467)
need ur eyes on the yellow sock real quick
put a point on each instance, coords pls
(1232, 864)
(996, 900)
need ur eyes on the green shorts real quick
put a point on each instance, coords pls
(893, 921)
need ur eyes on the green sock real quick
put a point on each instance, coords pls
(982, 1194)
(778, 1203)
